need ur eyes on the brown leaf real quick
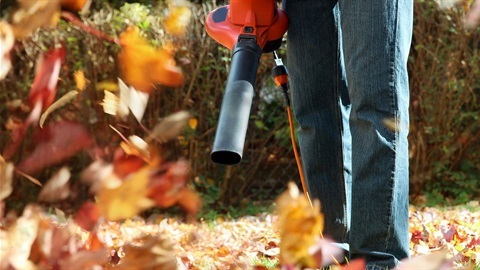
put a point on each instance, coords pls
(434, 261)
(65, 99)
(143, 65)
(57, 188)
(169, 127)
(6, 178)
(32, 15)
(54, 144)
(151, 252)
(86, 259)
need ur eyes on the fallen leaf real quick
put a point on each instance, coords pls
(143, 66)
(54, 144)
(6, 44)
(57, 188)
(65, 99)
(169, 127)
(86, 259)
(126, 200)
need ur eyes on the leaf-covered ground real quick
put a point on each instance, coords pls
(249, 241)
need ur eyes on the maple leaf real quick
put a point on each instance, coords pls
(149, 252)
(54, 144)
(143, 66)
(121, 200)
(130, 100)
(6, 44)
(300, 225)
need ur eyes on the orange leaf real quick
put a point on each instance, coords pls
(73, 5)
(143, 66)
(126, 200)
(87, 216)
(178, 17)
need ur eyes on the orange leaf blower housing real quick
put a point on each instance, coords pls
(248, 28)
(261, 19)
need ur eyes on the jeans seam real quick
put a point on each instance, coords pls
(395, 118)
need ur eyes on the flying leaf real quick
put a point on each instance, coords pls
(151, 252)
(6, 44)
(167, 187)
(473, 17)
(193, 123)
(178, 17)
(126, 200)
(110, 103)
(65, 99)
(6, 178)
(170, 127)
(136, 146)
(143, 66)
(300, 226)
(80, 80)
(54, 144)
(73, 5)
(57, 188)
(87, 216)
(44, 86)
(32, 15)
(132, 99)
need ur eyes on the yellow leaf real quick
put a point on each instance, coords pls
(107, 85)
(143, 66)
(127, 200)
(6, 177)
(6, 44)
(300, 226)
(110, 103)
(192, 123)
(80, 80)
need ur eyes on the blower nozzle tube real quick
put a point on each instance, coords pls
(237, 101)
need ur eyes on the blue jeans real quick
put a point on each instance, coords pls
(347, 61)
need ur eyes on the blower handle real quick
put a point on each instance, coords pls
(237, 102)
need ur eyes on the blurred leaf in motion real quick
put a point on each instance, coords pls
(6, 178)
(169, 127)
(6, 44)
(32, 15)
(119, 200)
(300, 226)
(57, 188)
(143, 66)
(54, 144)
(65, 99)
(149, 252)
(178, 18)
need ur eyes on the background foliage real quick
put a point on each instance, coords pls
(445, 91)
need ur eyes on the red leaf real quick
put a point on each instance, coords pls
(55, 144)
(355, 264)
(87, 216)
(44, 86)
(124, 164)
(166, 187)
(449, 234)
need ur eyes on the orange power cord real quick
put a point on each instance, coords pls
(280, 76)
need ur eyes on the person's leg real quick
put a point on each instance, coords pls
(376, 43)
(316, 86)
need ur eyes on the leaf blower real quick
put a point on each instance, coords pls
(248, 28)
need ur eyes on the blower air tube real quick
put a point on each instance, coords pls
(237, 101)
